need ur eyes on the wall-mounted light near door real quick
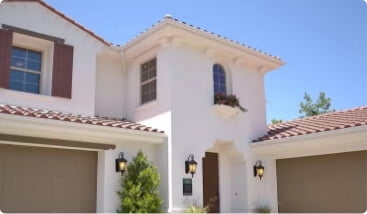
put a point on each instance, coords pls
(190, 165)
(121, 163)
(259, 169)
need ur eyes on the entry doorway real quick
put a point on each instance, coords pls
(211, 182)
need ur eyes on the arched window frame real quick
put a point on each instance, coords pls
(220, 79)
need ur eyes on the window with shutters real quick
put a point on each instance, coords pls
(35, 65)
(148, 81)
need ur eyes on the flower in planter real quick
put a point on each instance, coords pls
(229, 100)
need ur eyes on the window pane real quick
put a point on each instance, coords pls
(16, 85)
(18, 52)
(18, 62)
(34, 56)
(32, 88)
(35, 66)
(32, 78)
(17, 76)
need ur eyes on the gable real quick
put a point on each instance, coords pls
(37, 16)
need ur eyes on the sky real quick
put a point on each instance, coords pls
(323, 42)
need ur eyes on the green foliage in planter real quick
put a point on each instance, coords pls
(229, 100)
(196, 209)
(140, 183)
(262, 209)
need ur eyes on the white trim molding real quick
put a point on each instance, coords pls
(329, 142)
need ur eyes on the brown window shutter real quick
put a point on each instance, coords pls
(6, 40)
(62, 70)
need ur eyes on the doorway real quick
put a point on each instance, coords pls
(211, 182)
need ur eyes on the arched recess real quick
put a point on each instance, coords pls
(232, 177)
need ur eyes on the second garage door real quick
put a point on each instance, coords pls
(34, 179)
(325, 183)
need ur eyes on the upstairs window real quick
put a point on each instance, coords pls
(25, 70)
(219, 77)
(148, 81)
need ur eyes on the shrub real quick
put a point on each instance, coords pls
(262, 209)
(140, 183)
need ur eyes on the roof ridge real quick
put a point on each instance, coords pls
(67, 18)
(172, 19)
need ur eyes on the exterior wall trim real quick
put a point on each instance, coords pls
(39, 127)
(54, 142)
(341, 140)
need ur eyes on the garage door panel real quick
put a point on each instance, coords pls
(26, 194)
(75, 194)
(47, 180)
(325, 183)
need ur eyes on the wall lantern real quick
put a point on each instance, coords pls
(121, 163)
(190, 165)
(258, 169)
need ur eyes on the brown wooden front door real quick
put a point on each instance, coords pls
(211, 182)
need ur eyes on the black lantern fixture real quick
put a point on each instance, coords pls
(190, 165)
(121, 163)
(258, 169)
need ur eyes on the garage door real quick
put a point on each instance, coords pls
(326, 183)
(35, 179)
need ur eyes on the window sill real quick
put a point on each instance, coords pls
(26, 95)
(225, 112)
(147, 105)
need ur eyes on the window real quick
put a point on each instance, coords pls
(25, 70)
(219, 77)
(148, 81)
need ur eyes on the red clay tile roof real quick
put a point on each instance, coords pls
(320, 123)
(53, 115)
(66, 18)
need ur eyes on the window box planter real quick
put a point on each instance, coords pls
(225, 111)
(227, 106)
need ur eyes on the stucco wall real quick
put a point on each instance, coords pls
(34, 17)
(110, 86)
(184, 109)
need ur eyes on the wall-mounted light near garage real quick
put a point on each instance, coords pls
(259, 169)
(121, 163)
(190, 165)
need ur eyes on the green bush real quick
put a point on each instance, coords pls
(139, 187)
(196, 209)
(262, 209)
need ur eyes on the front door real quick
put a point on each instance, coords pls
(211, 182)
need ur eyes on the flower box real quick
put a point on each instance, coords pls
(225, 111)
(227, 105)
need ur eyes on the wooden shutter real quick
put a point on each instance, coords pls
(62, 70)
(6, 40)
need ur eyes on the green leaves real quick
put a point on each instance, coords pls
(321, 106)
(140, 183)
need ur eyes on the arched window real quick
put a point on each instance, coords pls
(219, 77)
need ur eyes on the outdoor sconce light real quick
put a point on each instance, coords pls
(121, 163)
(190, 165)
(258, 169)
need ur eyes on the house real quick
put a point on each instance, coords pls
(71, 102)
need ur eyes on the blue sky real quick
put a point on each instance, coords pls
(323, 42)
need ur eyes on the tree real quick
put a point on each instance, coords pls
(275, 121)
(321, 106)
(140, 183)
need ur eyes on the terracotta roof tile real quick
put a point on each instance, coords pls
(67, 117)
(66, 18)
(320, 123)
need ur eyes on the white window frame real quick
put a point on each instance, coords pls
(147, 81)
(46, 48)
